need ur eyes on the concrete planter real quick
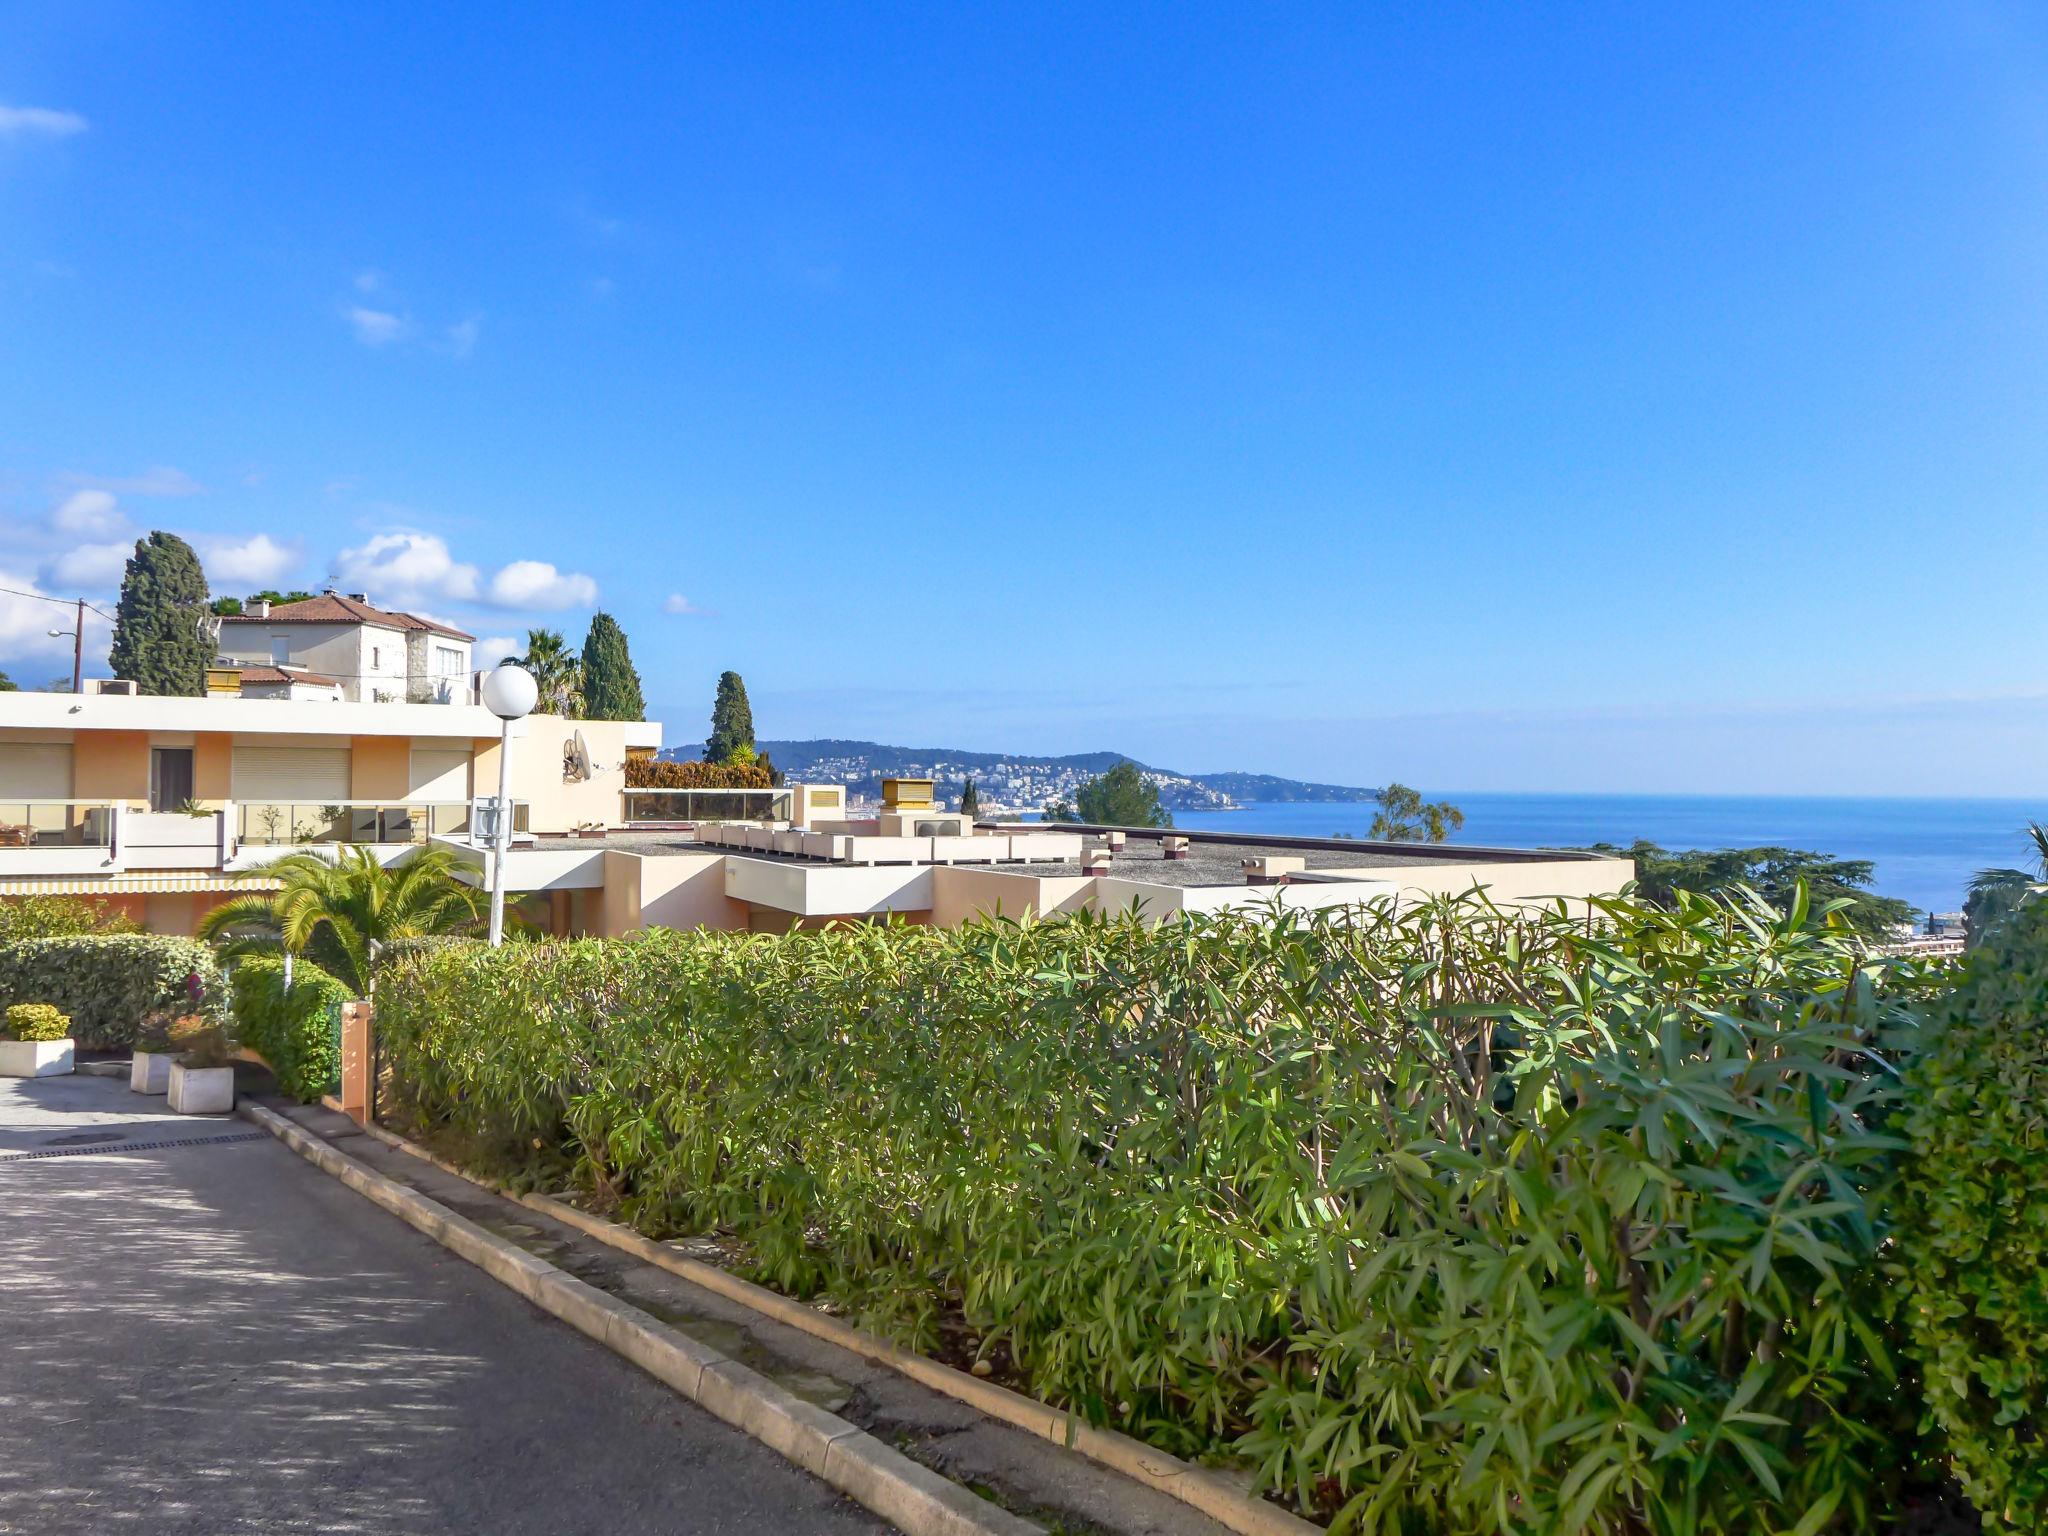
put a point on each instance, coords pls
(202, 1090)
(150, 1072)
(35, 1058)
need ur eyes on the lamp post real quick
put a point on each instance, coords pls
(509, 692)
(76, 634)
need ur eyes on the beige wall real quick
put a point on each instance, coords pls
(553, 804)
(962, 892)
(1515, 883)
(213, 758)
(111, 765)
(683, 890)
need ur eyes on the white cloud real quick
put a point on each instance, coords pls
(369, 280)
(537, 584)
(91, 565)
(257, 561)
(400, 567)
(492, 649)
(376, 327)
(462, 337)
(46, 121)
(677, 603)
(26, 622)
(89, 513)
(162, 480)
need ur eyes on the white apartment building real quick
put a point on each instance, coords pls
(370, 655)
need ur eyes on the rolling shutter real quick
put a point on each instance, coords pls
(302, 774)
(439, 773)
(35, 770)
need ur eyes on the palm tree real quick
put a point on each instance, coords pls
(1994, 893)
(342, 914)
(557, 672)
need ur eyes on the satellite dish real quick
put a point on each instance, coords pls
(577, 759)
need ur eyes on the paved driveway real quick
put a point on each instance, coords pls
(212, 1336)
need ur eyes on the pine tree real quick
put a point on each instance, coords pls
(970, 798)
(157, 640)
(732, 720)
(611, 688)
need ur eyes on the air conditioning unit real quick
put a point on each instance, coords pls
(112, 685)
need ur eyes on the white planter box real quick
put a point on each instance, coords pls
(34, 1058)
(202, 1090)
(150, 1072)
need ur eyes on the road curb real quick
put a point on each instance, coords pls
(875, 1475)
(1208, 1491)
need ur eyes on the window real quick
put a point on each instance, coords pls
(447, 660)
(280, 650)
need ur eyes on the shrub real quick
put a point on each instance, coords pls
(108, 982)
(1453, 1221)
(290, 1028)
(47, 917)
(37, 1021)
(656, 773)
(198, 1041)
(1975, 1240)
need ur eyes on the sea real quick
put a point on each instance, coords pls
(1924, 850)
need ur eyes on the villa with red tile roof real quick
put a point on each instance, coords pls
(372, 655)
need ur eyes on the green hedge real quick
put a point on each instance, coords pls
(48, 917)
(1975, 1247)
(108, 982)
(1451, 1222)
(293, 1028)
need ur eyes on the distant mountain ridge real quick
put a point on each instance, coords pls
(1022, 779)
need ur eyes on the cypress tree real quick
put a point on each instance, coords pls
(732, 720)
(611, 687)
(156, 627)
(970, 798)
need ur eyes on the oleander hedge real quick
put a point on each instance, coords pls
(291, 1028)
(109, 982)
(1975, 1241)
(1451, 1222)
(659, 773)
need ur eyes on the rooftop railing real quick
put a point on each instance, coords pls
(287, 823)
(665, 805)
(56, 823)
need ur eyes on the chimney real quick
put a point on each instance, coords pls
(1273, 868)
(259, 607)
(1114, 840)
(1095, 861)
(359, 597)
(1173, 846)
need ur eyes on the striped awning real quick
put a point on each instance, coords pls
(138, 884)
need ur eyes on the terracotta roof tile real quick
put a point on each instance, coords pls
(285, 675)
(333, 608)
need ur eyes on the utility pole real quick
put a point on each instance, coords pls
(78, 650)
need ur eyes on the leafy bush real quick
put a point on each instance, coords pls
(290, 1028)
(37, 1021)
(655, 773)
(1975, 1240)
(47, 917)
(1453, 1221)
(108, 982)
(198, 1041)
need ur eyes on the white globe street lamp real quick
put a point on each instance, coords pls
(509, 692)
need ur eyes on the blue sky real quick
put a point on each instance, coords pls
(1640, 398)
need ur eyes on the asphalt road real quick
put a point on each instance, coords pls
(216, 1337)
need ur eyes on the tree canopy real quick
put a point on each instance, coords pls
(1773, 873)
(970, 798)
(557, 673)
(732, 722)
(1405, 817)
(157, 642)
(1996, 893)
(233, 605)
(611, 686)
(1122, 797)
(7, 684)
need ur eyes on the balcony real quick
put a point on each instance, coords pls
(293, 824)
(666, 807)
(57, 837)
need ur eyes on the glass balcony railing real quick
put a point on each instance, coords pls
(707, 805)
(280, 823)
(55, 823)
